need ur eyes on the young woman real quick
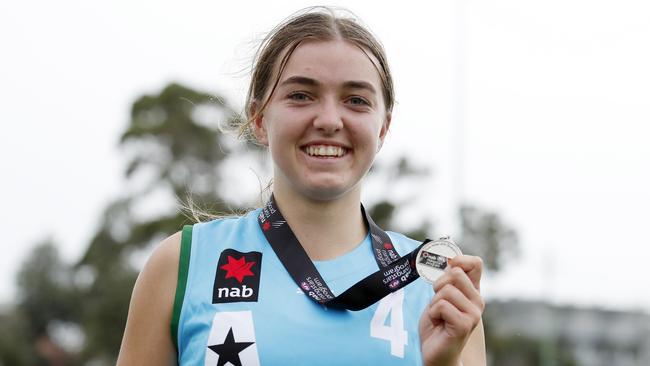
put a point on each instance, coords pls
(286, 284)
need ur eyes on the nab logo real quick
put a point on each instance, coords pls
(238, 277)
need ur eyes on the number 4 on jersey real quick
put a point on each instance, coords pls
(395, 332)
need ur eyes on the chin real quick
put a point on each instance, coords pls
(328, 192)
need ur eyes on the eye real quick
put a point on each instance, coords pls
(298, 96)
(358, 101)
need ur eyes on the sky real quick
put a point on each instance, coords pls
(537, 111)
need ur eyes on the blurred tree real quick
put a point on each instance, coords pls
(16, 340)
(45, 289)
(484, 234)
(395, 175)
(46, 294)
(516, 350)
(174, 145)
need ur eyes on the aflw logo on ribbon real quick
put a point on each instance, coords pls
(238, 277)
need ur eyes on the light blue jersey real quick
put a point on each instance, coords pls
(239, 306)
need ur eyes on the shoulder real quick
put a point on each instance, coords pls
(225, 226)
(159, 276)
(166, 253)
(159, 271)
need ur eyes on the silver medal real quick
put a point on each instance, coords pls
(431, 260)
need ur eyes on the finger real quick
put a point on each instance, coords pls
(458, 279)
(455, 297)
(472, 265)
(454, 319)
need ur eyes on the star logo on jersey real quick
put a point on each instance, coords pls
(238, 268)
(231, 341)
(229, 350)
(238, 277)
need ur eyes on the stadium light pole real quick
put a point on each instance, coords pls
(458, 104)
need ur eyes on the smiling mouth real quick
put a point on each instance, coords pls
(325, 151)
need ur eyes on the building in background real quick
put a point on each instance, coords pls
(592, 336)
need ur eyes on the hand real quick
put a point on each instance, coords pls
(454, 312)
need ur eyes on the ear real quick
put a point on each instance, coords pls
(384, 130)
(258, 126)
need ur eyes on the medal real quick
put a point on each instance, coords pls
(431, 260)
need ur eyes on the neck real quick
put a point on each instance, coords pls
(325, 229)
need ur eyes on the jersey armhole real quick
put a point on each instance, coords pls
(183, 268)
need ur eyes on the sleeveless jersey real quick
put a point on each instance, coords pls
(237, 305)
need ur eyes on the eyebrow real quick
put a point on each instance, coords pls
(300, 80)
(352, 84)
(360, 85)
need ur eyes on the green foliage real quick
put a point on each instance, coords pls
(106, 306)
(46, 290)
(385, 211)
(16, 340)
(168, 135)
(174, 146)
(382, 213)
(485, 235)
(517, 350)
(46, 293)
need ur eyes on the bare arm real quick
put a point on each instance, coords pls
(147, 339)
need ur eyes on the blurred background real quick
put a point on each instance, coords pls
(521, 129)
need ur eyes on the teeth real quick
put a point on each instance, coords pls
(323, 150)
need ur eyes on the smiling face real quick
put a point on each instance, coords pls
(325, 121)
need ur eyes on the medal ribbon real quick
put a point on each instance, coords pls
(394, 271)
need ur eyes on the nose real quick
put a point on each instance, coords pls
(328, 119)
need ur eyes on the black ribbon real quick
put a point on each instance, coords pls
(394, 271)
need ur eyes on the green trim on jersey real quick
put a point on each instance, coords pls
(183, 267)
